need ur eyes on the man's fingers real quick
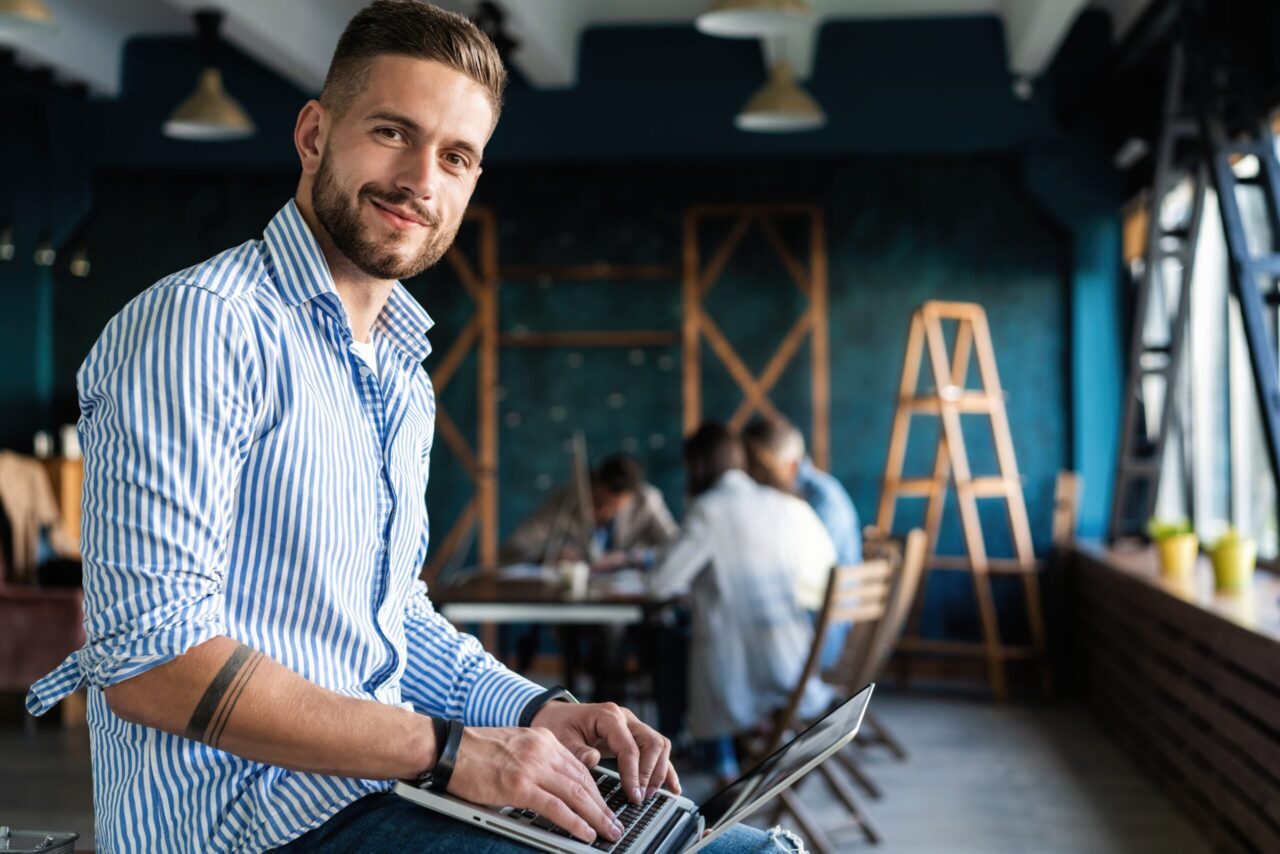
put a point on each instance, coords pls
(650, 744)
(580, 750)
(612, 728)
(578, 792)
(557, 811)
(673, 780)
(577, 773)
(655, 758)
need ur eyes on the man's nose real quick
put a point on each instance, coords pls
(418, 175)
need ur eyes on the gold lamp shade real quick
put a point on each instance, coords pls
(738, 19)
(26, 13)
(210, 114)
(780, 106)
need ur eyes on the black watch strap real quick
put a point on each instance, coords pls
(532, 707)
(448, 737)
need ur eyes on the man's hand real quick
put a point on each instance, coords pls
(593, 730)
(530, 769)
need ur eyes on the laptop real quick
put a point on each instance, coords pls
(667, 823)
(562, 529)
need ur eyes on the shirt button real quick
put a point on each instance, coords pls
(364, 372)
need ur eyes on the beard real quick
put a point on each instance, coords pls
(380, 258)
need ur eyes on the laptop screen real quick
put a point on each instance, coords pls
(790, 761)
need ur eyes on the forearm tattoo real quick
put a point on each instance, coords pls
(214, 709)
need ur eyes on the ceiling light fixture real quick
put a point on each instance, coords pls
(26, 14)
(737, 19)
(209, 114)
(780, 106)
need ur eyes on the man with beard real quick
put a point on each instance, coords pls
(262, 662)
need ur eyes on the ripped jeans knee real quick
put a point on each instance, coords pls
(786, 840)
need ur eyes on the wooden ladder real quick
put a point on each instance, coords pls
(948, 401)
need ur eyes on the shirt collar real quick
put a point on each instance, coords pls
(735, 479)
(304, 275)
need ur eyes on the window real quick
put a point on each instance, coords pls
(1217, 461)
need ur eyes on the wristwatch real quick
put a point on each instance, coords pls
(554, 693)
(448, 737)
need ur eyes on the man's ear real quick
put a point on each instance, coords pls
(309, 135)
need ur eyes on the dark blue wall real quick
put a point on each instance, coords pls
(43, 186)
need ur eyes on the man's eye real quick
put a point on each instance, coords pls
(389, 133)
(456, 160)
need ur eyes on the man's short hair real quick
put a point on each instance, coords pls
(775, 434)
(417, 30)
(770, 442)
(708, 453)
(618, 474)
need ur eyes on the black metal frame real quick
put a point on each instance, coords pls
(1228, 123)
(1141, 464)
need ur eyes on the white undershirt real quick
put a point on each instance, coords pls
(365, 350)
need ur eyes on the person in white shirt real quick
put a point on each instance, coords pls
(743, 552)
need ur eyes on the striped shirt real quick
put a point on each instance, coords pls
(248, 475)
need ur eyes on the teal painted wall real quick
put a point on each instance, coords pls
(43, 186)
(936, 180)
(901, 230)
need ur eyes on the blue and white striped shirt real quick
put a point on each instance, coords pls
(247, 475)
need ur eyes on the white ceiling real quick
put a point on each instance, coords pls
(295, 38)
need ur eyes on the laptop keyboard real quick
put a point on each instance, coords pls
(635, 818)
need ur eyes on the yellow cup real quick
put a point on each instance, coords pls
(1178, 555)
(1233, 563)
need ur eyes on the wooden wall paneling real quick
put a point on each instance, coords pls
(1193, 695)
(698, 326)
(479, 278)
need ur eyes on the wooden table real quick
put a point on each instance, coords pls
(1189, 680)
(486, 599)
(489, 600)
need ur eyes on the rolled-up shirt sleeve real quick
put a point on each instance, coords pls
(448, 674)
(168, 399)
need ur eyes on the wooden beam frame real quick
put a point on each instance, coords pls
(603, 270)
(479, 334)
(591, 338)
(697, 326)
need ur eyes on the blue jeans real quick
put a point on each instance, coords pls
(388, 824)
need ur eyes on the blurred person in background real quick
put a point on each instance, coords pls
(776, 457)
(741, 550)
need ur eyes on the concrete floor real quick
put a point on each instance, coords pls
(980, 778)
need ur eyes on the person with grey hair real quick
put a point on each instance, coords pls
(776, 457)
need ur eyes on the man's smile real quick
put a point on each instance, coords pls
(397, 218)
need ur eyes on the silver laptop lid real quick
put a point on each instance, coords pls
(791, 761)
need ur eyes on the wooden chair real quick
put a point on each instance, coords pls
(867, 665)
(875, 596)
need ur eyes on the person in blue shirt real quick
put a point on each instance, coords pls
(776, 457)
